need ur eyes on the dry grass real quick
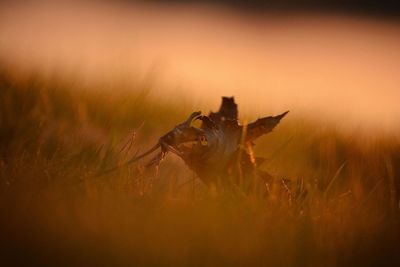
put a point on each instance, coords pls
(342, 208)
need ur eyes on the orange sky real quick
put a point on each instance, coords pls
(344, 68)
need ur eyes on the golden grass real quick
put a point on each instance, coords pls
(341, 210)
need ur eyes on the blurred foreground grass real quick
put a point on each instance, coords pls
(56, 133)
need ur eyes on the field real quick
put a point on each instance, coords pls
(341, 208)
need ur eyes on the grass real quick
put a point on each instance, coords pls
(342, 208)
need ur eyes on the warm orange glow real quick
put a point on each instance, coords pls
(345, 68)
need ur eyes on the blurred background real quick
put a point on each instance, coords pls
(335, 59)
